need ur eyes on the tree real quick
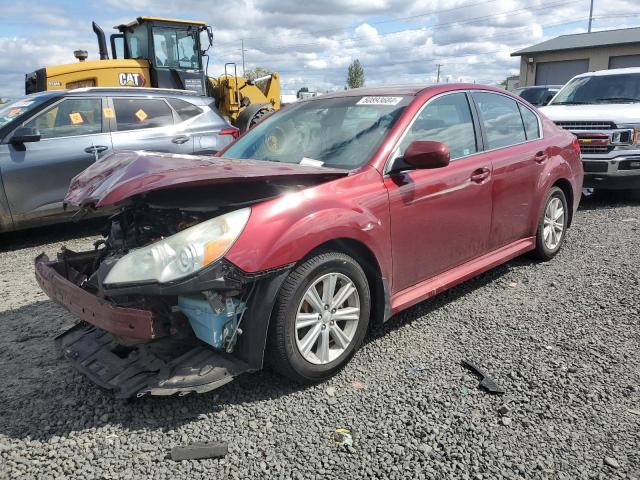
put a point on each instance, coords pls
(256, 73)
(303, 89)
(355, 75)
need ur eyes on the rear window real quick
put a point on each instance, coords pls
(137, 113)
(184, 109)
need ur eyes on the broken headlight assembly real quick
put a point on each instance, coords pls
(181, 254)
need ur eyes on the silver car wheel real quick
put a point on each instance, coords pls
(327, 318)
(553, 228)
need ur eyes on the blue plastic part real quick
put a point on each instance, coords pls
(209, 326)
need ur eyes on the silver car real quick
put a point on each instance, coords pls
(48, 138)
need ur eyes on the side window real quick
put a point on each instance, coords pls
(447, 120)
(531, 126)
(501, 118)
(136, 113)
(71, 117)
(185, 110)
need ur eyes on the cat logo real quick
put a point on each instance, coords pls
(131, 79)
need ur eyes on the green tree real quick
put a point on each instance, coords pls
(303, 89)
(355, 75)
(257, 72)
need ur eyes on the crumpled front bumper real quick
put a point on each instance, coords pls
(132, 323)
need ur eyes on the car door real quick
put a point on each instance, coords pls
(517, 163)
(36, 175)
(143, 123)
(440, 218)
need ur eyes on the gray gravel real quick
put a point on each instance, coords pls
(562, 338)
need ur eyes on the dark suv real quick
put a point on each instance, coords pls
(538, 95)
(48, 138)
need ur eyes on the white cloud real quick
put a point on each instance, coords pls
(311, 44)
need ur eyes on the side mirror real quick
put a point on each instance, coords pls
(427, 154)
(25, 135)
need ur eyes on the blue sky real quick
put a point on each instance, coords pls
(312, 44)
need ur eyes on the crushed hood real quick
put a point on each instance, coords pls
(126, 174)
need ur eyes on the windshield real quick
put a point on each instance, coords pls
(334, 132)
(623, 88)
(12, 110)
(536, 96)
(176, 48)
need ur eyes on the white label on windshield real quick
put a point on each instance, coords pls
(22, 103)
(310, 162)
(379, 101)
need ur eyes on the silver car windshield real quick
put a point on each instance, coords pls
(334, 132)
(623, 88)
(12, 110)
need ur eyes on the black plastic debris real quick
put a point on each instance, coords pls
(486, 382)
(199, 451)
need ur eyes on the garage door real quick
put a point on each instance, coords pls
(624, 61)
(559, 73)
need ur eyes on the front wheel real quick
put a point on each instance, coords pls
(552, 226)
(320, 317)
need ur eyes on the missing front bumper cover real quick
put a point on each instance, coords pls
(162, 367)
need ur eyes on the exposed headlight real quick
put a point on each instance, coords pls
(634, 137)
(181, 254)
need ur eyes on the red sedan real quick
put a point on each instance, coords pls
(332, 214)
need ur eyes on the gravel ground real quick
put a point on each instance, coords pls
(562, 338)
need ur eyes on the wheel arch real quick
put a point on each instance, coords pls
(381, 301)
(564, 185)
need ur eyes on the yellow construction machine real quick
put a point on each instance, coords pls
(163, 53)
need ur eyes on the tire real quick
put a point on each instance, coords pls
(550, 240)
(292, 309)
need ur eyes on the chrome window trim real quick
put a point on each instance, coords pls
(394, 151)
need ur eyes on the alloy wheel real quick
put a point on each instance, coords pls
(553, 227)
(327, 318)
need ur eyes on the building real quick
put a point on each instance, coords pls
(556, 61)
(512, 83)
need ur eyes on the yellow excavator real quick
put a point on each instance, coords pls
(164, 53)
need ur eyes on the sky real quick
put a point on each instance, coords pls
(312, 43)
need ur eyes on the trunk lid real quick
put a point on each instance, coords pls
(126, 174)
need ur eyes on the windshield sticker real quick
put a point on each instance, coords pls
(23, 103)
(13, 112)
(108, 112)
(76, 118)
(142, 115)
(379, 101)
(310, 162)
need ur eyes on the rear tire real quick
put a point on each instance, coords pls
(313, 336)
(552, 225)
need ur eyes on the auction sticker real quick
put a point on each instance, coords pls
(379, 101)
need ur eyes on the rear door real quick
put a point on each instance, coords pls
(440, 218)
(517, 154)
(143, 123)
(36, 175)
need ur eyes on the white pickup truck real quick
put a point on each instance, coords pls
(603, 110)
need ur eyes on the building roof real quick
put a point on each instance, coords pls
(603, 38)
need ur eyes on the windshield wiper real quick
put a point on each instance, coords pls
(618, 99)
(573, 102)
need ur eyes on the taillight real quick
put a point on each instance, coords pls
(234, 132)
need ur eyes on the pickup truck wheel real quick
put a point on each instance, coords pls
(320, 318)
(552, 226)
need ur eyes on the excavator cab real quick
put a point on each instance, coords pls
(172, 48)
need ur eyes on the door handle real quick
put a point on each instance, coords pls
(180, 139)
(540, 157)
(480, 175)
(96, 149)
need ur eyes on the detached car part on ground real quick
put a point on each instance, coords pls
(332, 214)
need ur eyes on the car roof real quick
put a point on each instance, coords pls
(122, 91)
(613, 71)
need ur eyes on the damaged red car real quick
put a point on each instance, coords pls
(331, 215)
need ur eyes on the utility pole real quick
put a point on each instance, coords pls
(439, 65)
(242, 43)
(590, 16)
